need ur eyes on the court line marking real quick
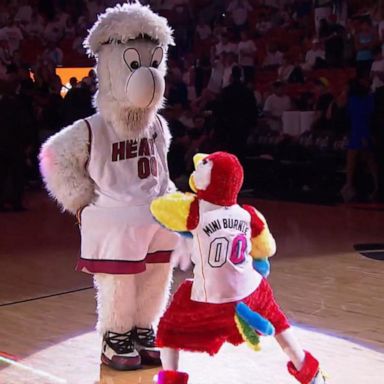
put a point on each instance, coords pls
(35, 371)
(45, 296)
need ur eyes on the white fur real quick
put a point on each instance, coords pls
(127, 22)
(62, 162)
(202, 175)
(116, 296)
(124, 301)
(152, 293)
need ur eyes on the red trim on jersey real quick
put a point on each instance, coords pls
(122, 267)
(193, 216)
(257, 225)
(158, 257)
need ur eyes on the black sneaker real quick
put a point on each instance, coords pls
(118, 351)
(144, 341)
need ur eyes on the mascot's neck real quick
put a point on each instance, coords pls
(126, 121)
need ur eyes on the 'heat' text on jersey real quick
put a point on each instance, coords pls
(143, 148)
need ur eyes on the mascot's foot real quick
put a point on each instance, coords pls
(144, 339)
(171, 377)
(118, 351)
(309, 373)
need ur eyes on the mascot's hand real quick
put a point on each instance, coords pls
(181, 256)
(262, 266)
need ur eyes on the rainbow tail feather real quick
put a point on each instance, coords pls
(257, 322)
(250, 324)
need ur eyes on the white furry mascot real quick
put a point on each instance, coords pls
(108, 168)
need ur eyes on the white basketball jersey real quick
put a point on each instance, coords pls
(223, 269)
(127, 171)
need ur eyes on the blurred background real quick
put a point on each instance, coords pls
(293, 87)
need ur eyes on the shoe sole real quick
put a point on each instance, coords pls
(121, 366)
(150, 357)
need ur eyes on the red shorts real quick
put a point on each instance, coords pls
(205, 327)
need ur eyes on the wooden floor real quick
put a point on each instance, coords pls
(333, 295)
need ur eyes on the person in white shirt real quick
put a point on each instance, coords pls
(225, 46)
(230, 60)
(247, 50)
(274, 57)
(275, 105)
(314, 55)
(377, 70)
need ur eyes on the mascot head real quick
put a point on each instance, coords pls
(218, 178)
(130, 44)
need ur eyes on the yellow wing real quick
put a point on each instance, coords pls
(175, 211)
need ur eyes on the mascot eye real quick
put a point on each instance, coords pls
(134, 64)
(132, 59)
(157, 56)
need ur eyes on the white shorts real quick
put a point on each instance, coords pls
(122, 240)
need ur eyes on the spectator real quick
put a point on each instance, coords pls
(274, 57)
(14, 142)
(230, 60)
(365, 42)
(275, 105)
(323, 11)
(377, 70)
(5, 57)
(247, 51)
(53, 54)
(360, 109)
(239, 10)
(13, 35)
(225, 46)
(236, 114)
(290, 71)
(315, 56)
(203, 30)
(322, 100)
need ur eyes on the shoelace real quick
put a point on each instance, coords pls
(120, 342)
(146, 334)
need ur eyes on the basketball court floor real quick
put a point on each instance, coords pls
(333, 295)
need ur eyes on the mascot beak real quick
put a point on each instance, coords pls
(196, 160)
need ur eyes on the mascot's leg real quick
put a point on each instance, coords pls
(303, 366)
(116, 298)
(170, 374)
(152, 295)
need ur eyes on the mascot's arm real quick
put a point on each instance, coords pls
(63, 158)
(177, 211)
(263, 243)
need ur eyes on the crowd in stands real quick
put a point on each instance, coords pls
(239, 69)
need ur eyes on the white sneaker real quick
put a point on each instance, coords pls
(144, 342)
(118, 351)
